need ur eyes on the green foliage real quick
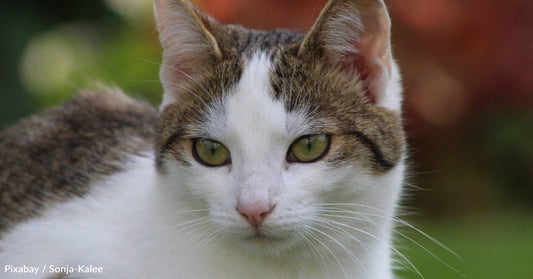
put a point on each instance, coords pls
(490, 248)
(76, 56)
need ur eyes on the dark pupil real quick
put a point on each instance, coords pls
(309, 143)
(213, 148)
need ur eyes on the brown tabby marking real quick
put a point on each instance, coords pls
(336, 102)
(54, 155)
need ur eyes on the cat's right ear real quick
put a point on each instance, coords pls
(354, 36)
(188, 44)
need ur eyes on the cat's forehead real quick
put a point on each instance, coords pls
(251, 103)
(253, 108)
(264, 81)
(279, 94)
(254, 121)
(239, 42)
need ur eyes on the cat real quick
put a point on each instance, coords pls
(274, 154)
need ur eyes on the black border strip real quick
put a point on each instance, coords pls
(374, 148)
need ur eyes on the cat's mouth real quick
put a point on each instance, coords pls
(267, 243)
(260, 236)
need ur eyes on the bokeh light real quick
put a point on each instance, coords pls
(52, 59)
(131, 9)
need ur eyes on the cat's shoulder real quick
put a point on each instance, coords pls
(55, 155)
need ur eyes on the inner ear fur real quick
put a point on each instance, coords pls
(354, 36)
(189, 46)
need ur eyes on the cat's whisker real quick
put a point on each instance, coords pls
(195, 235)
(306, 234)
(377, 226)
(213, 234)
(396, 219)
(149, 81)
(413, 173)
(380, 240)
(307, 249)
(209, 93)
(329, 225)
(432, 254)
(310, 228)
(335, 225)
(191, 234)
(193, 240)
(178, 228)
(190, 91)
(191, 229)
(190, 77)
(182, 87)
(415, 187)
(148, 61)
(397, 232)
(170, 84)
(182, 227)
(216, 246)
(434, 240)
(422, 246)
(187, 212)
(170, 68)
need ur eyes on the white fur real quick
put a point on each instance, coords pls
(392, 97)
(137, 224)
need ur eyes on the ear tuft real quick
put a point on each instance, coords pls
(354, 35)
(188, 44)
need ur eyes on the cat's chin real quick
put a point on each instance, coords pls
(265, 245)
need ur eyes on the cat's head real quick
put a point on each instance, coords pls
(269, 130)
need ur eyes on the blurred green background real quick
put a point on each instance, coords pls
(468, 76)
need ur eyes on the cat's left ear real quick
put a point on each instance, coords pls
(189, 46)
(354, 36)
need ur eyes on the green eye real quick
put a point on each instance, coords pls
(309, 148)
(210, 153)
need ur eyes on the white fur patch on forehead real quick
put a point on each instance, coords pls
(253, 117)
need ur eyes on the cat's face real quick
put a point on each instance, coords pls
(268, 136)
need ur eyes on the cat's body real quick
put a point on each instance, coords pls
(140, 202)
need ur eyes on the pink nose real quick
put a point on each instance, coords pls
(255, 213)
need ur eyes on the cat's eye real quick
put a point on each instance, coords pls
(210, 152)
(309, 148)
